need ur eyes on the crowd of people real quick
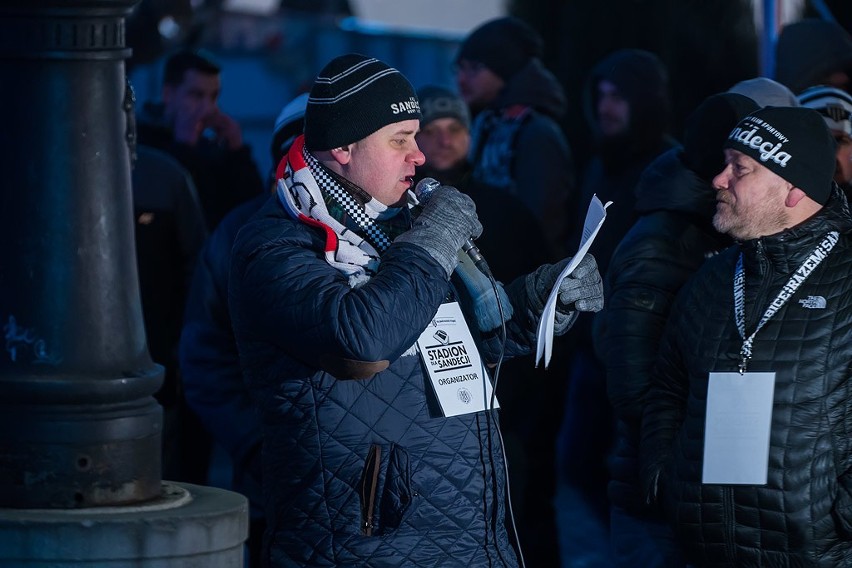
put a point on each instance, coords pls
(376, 387)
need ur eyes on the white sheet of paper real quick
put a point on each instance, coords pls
(453, 363)
(737, 428)
(595, 216)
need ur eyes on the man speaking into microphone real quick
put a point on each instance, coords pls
(364, 335)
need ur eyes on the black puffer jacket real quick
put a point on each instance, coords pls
(803, 515)
(671, 239)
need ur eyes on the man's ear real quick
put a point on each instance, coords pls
(342, 155)
(794, 196)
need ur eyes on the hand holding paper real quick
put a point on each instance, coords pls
(594, 219)
(582, 290)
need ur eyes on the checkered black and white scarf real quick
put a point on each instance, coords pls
(307, 190)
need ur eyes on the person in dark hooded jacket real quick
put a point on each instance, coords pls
(745, 430)
(628, 105)
(517, 145)
(673, 236)
(360, 326)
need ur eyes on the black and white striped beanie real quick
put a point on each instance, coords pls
(834, 105)
(354, 96)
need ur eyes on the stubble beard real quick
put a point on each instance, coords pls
(763, 220)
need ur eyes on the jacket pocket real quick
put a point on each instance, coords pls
(385, 489)
(369, 487)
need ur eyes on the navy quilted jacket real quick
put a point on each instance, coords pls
(803, 516)
(359, 470)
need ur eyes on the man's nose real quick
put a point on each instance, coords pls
(721, 180)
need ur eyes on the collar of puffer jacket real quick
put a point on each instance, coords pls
(784, 252)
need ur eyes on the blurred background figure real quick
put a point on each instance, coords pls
(835, 107)
(208, 352)
(189, 125)
(517, 145)
(289, 123)
(628, 104)
(814, 52)
(512, 236)
(444, 136)
(522, 181)
(169, 232)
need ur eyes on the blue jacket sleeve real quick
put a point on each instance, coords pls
(283, 292)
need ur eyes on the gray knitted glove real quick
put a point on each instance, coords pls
(582, 290)
(447, 220)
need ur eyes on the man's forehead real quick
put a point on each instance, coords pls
(402, 128)
(735, 156)
(196, 78)
(446, 121)
(732, 155)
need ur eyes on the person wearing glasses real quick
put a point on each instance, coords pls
(517, 145)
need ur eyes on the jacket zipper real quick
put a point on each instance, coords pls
(729, 523)
(369, 485)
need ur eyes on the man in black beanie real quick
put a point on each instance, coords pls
(746, 424)
(364, 337)
(517, 145)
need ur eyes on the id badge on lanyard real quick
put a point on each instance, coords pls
(737, 428)
(453, 363)
(738, 421)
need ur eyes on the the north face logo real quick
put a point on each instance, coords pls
(813, 302)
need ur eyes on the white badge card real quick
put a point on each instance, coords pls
(453, 363)
(737, 428)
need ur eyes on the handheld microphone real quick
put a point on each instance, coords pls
(423, 191)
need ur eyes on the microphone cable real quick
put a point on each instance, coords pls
(497, 367)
